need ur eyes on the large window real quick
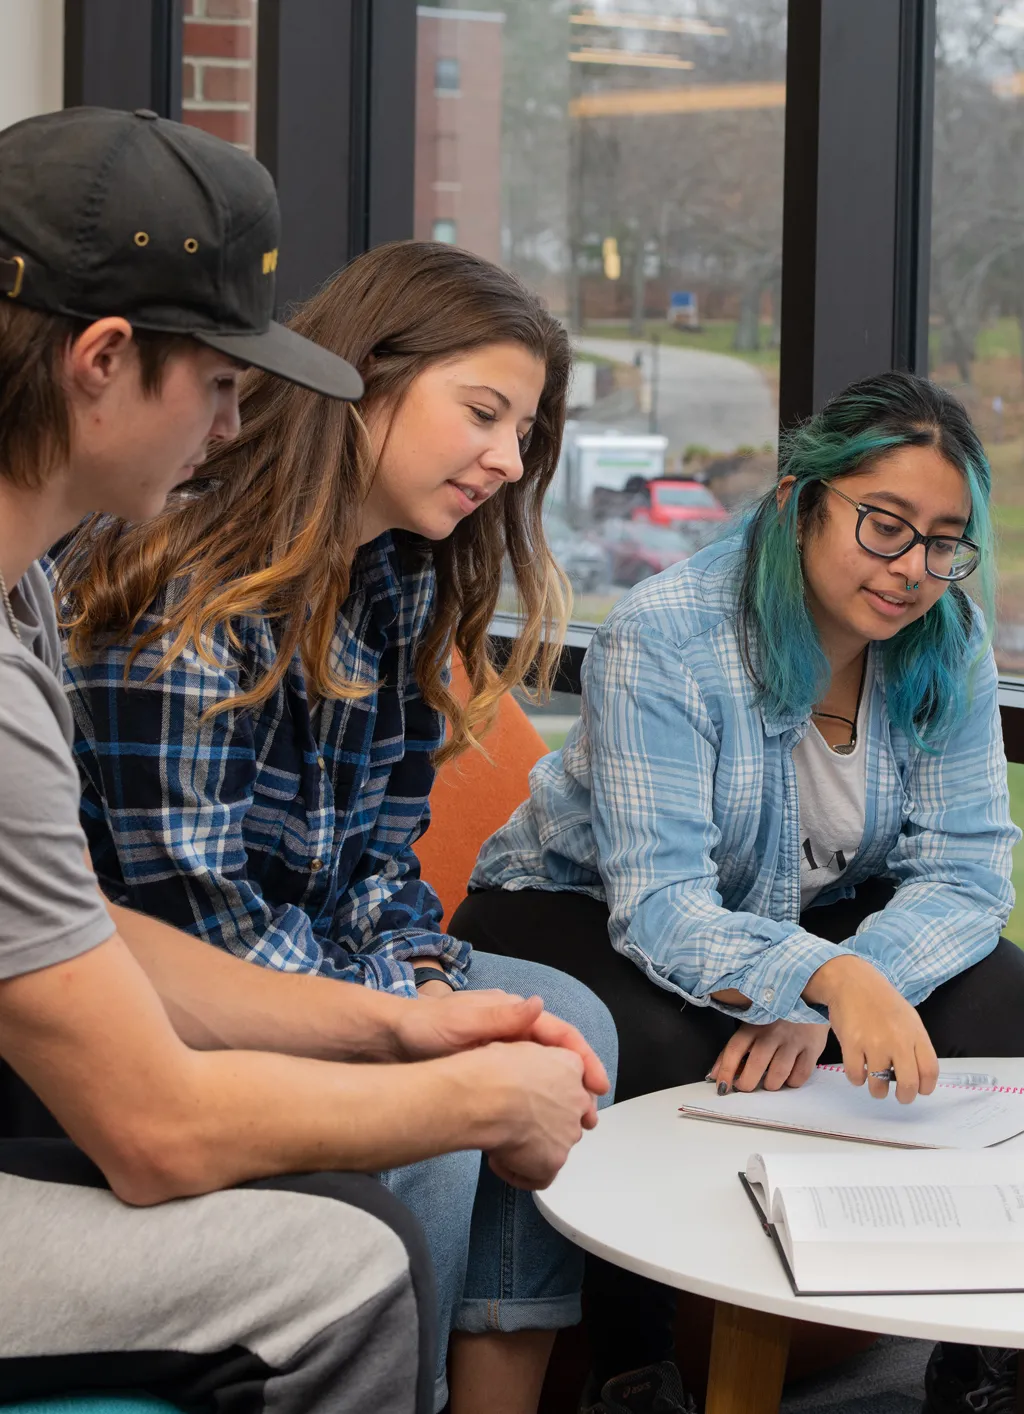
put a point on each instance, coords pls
(977, 283)
(627, 161)
(977, 262)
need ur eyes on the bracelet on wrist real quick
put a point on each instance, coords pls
(430, 974)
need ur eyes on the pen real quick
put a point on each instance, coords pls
(966, 1079)
(969, 1079)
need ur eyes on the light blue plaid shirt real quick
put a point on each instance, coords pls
(674, 799)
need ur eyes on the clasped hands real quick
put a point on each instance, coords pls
(446, 1022)
(533, 1074)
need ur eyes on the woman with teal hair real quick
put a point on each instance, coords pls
(785, 804)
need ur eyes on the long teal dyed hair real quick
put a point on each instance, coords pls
(928, 665)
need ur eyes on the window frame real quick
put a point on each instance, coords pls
(855, 292)
(345, 69)
(857, 195)
(124, 54)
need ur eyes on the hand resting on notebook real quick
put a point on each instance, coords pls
(875, 1026)
(784, 1053)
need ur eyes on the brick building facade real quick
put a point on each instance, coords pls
(218, 81)
(458, 128)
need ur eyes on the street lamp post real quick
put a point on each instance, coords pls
(652, 417)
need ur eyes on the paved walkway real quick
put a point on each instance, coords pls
(704, 399)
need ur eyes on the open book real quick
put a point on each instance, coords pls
(952, 1117)
(873, 1222)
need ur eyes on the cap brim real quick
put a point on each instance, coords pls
(280, 350)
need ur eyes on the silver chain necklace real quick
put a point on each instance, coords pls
(7, 608)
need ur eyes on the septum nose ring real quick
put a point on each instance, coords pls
(916, 585)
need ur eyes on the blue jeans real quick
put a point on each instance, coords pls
(500, 1266)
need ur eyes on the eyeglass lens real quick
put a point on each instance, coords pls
(890, 536)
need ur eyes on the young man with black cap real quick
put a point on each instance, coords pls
(137, 264)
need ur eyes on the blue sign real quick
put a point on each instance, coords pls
(682, 299)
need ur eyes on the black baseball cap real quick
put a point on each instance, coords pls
(105, 212)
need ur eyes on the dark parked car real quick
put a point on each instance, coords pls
(584, 561)
(637, 550)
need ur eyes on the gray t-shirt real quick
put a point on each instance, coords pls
(50, 910)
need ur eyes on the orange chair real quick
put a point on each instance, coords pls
(474, 795)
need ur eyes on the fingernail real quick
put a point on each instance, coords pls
(723, 1089)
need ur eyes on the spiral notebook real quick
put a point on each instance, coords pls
(952, 1117)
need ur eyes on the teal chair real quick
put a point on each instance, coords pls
(93, 1404)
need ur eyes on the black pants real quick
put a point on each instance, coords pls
(664, 1042)
(304, 1294)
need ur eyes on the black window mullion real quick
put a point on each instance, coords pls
(857, 182)
(123, 54)
(304, 134)
(335, 124)
(168, 33)
(911, 285)
(391, 122)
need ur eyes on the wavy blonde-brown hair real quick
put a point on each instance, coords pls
(270, 526)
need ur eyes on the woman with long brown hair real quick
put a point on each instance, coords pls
(260, 682)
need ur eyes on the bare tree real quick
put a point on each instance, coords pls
(702, 190)
(705, 186)
(978, 200)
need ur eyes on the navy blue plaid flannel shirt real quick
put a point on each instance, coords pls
(284, 834)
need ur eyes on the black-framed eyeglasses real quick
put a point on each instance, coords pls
(889, 536)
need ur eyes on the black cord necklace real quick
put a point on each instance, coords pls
(835, 717)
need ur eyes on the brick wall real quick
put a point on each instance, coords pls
(219, 69)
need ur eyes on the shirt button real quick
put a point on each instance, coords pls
(316, 866)
(321, 762)
(769, 994)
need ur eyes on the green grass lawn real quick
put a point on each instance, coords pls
(554, 740)
(1008, 518)
(998, 339)
(598, 359)
(1014, 930)
(715, 337)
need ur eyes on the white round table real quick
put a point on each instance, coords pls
(659, 1195)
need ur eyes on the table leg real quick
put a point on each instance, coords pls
(748, 1361)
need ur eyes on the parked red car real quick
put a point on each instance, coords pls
(680, 503)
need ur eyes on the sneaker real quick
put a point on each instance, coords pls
(656, 1389)
(954, 1383)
